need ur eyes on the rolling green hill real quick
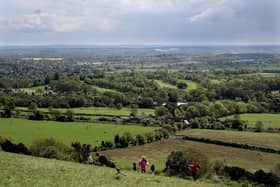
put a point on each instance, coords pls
(20, 170)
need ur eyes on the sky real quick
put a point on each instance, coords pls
(142, 22)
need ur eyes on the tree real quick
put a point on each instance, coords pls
(182, 85)
(32, 107)
(140, 139)
(9, 106)
(133, 111)
(70, 115)
(177, 162)
(161, 111)
(117, 140)
(259, 126)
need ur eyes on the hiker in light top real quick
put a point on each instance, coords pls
(143, 163)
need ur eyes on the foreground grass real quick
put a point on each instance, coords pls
(269, 120)
(20, 170)
(100, 110)
(157, 153)
(269, 140)
(26, 131)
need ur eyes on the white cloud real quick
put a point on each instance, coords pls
(40, 22)
(216, 12)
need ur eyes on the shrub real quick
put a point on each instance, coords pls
(140, 139)
(81, 152)
(177, 162)
(218, 167)
(123, 141)
(36, 116)
(117, 140)
(164, 133)
(50, 148)
(8, 146)
(235, 173)
(149, 137)
(104, 161)
(259, 126)
(268, 179)
(194, 124)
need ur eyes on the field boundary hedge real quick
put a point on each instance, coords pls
(231, 144)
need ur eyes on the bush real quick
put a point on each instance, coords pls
(36, 116)
(81, 152)
(259, 126)
(140, 139)
(218, 167)
(236, 173)
(50, 148)
(123, 142)
(104, 161)
(268, 179)
(8, 146)
(177, 162)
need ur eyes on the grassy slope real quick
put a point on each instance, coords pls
(269, 120)
(165, 85)
(270, 140)
(26, 131)
(191, 85)
(101, 110)
(157, 153)
(20, 170)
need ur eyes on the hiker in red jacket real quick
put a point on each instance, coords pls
(194, 167)
(143, 163)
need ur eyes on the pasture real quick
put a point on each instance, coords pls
(165, 85)
(269, 120)
(35, 171)
(26, 131)
(269, 140)
(190, 84)
(157, 153)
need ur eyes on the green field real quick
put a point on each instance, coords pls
(19, 170)
(165, 85)
(157, 153)
(101, 110)
(270, 140)
(26, 131)
(191, 84)
(269, 120)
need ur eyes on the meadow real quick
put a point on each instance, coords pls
(26, 131)
(190, 84)
(157, 153)
(269, 120)
(100, 110)
(269, 140)
(34, 171)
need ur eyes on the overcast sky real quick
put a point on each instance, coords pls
(173, 22)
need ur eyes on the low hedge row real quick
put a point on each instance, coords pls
(232, 144)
